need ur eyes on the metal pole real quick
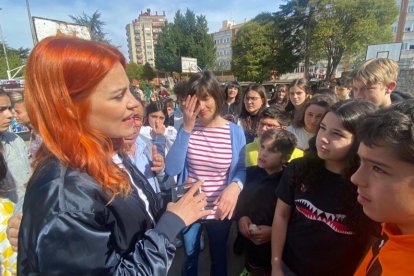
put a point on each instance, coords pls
(31, 23)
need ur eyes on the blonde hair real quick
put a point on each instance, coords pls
(378, 70)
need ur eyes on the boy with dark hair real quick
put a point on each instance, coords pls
(271, 118)
(257, 201)
(181, 91)
(385, 181)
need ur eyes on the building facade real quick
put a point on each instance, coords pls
(142, 35)
(403, 30)
(222, 42)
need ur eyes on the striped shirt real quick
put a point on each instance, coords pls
(209, 158)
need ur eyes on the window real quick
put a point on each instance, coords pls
(411, 8)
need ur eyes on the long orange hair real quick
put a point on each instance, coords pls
(61, 73)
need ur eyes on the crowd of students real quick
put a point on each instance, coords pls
(312, 178)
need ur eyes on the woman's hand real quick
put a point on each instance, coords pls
(261, 235)
(190, 112)
(244, 223)
(190, 207)
(12, 231)
(157, 161)
(226, 202)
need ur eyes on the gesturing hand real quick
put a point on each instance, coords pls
(158, 129)
(157, 160)
(190, 112)
(191, 206)
(226, 202)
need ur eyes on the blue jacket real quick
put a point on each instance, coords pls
(176, 159)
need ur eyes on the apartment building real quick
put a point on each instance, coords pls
(222, 42)
(142, 34)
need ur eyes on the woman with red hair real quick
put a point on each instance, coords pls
(87, 209)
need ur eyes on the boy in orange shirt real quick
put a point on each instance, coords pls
(385, 181)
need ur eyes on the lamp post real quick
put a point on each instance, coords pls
(30, 22)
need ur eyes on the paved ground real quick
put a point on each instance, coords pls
(236, 263)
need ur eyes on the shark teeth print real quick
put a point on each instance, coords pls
(334, 221)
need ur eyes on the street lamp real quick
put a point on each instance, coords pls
(30, 22)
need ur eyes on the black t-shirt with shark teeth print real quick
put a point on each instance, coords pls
(319, 241)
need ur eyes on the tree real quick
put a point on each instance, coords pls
(15, 57)
(134, 71)
(94, 23)
(252, 52)
(296, 22)
(348, 27)
(187, 36)
(147, 72)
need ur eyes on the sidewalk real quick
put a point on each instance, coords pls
(235, 263)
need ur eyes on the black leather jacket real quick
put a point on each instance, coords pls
(68, 227)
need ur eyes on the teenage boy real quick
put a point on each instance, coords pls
(181, 92)
(376, 80)
(385, 181)
(271, 118)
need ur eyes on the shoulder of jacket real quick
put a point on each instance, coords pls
(67, 188)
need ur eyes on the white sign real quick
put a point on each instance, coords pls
(189, 65)
(48, 27)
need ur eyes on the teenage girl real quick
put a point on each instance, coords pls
(254, 103)
(232, 105)
(318, 226)
(155, 129)
(281, 97)
(305, 126)
(299, 91)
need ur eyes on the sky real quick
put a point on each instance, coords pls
(117, 14)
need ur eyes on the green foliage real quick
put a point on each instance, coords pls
(252, 52)
(16, 58)
(187, 36)
(349, 26)
(296, 22)
(326, 29)
(134, 71)
(94, 23)
(147, 72)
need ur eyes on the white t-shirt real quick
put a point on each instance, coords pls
(302, 135)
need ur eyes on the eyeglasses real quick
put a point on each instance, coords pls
(253, 99)
(270, 126)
